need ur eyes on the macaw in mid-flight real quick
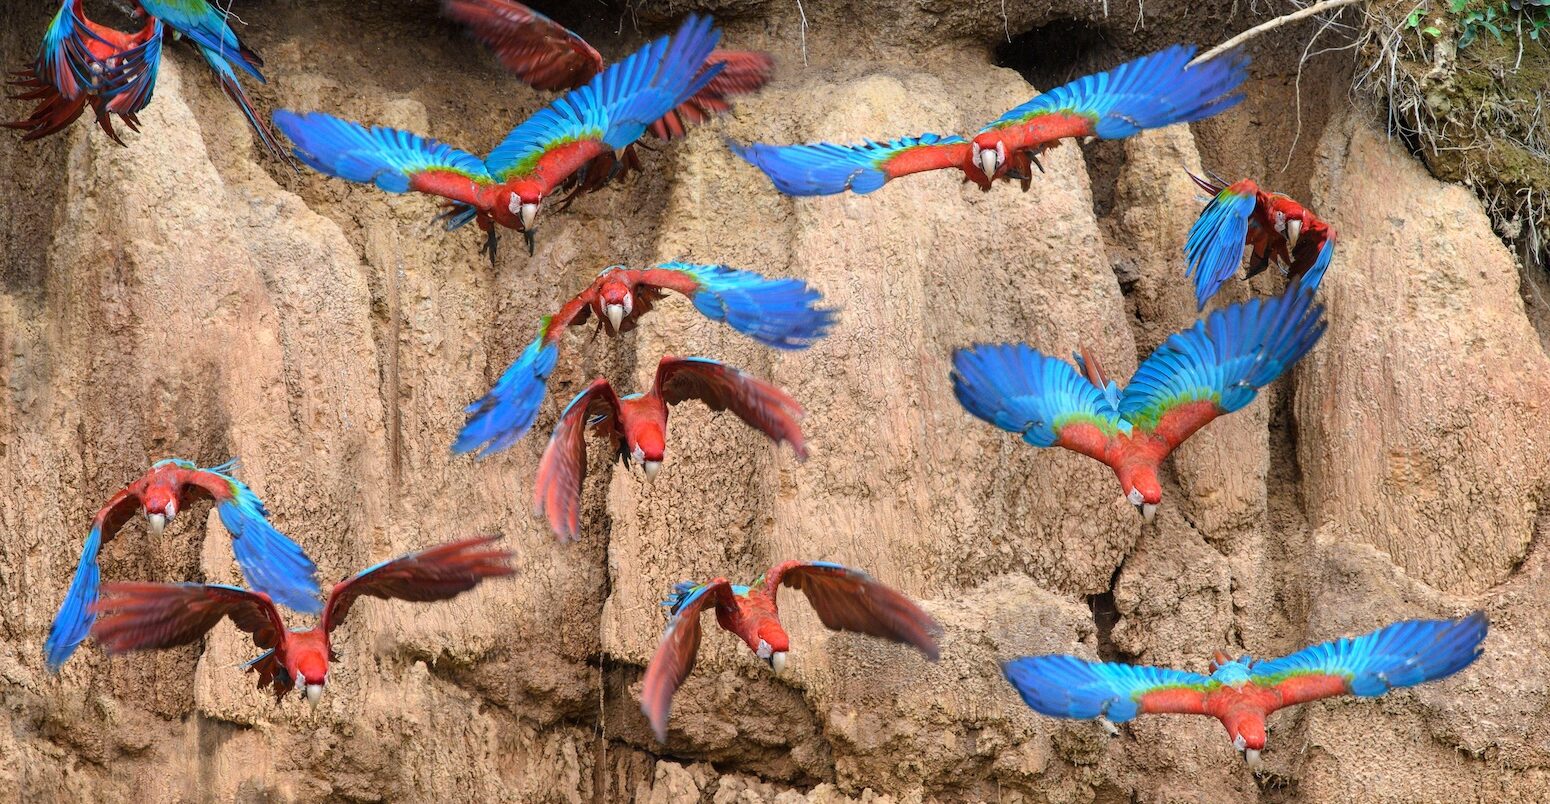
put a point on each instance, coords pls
(542, 155)
(152, 616)
(782, 313)
(1276, 228)
(1242, 692)
(1215, 367)
(1150, 92)
(636, 427)
(845, 599)
(82, 62)
(271, 562)
(548, 56)
(205, 26)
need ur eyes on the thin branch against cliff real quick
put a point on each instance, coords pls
(1270, 25)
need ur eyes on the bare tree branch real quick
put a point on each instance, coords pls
(1316, 8)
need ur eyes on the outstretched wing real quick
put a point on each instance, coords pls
(782, 313)
(1065, 686)
(851, 600)
(1399, 655)
(271, 562)
(206, 26)
(742, 72)
(74, 620)
(1156, 90)
(1216, 240)
(396, 161)
(438, 573)
(675, 655)
(557, 488)
(825, 168)
(539, 51)
(611, 111)
(152, 616)
(1219, 365)
(1043, 399)
(759, 404)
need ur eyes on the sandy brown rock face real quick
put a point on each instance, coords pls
(185, 296)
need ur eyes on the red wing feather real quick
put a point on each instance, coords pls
(542, 53)
(851, 600)
(759, 404)
(557, 489)
(116, 513)
(675, 655)
(438, 573)
(743, 71)
(1174, 700)
(152, 616)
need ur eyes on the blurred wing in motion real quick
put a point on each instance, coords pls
(540, 52)
(438, 573)
(1068, 687)
(153, 616)
(759, 404)
(674, 658)
(850, 600)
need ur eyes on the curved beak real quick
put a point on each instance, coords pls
(615, 313)
(529, 213)
(778, 661)
(1293, 231)
(1148, 511)
(1252, 757)
(988, 162)
(651, 467)
(314, 694)
(157, 523)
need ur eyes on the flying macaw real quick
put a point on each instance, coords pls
(540, 156)
(1242, 692)
(776, 312)
(1215, 367)
(636, 426)
(1151, 92)
(271, 562)
(152, 616)
(205, 26)
(1276, 228)
(82, 62)
(547, 56)
(845, 599)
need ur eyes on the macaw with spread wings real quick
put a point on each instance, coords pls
(1275, 228)
(84, 63)
(548, 56)
(1150, 92)
(1213, 368)
(538, 157)
(1242, 692)
(636, 427)
(781, 313)
(152, 616)
(271, 562)
(845, 599)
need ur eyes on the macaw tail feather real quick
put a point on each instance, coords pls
(272, 563)
(507, 412)
(681, 592)
(74, 620)
(781, 313)
(233, 90)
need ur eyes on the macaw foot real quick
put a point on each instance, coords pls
(527, 234)
(491, 239)
(1108, 726)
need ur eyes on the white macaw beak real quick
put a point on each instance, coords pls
(988, 162)
(778, 661)
(1293, 231)
(651, 467)
(529, 213)
(314, 694)
(1252, 757)
(615, 313)
(1148, 511)
(157, 523)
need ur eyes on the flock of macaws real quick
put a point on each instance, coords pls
(578, 144)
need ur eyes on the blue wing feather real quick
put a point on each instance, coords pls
(206, 27)
(271, 562)
(1315, 275)
(1399, 655)
(74, 620)
(1019, 389)
(1156, 90)
(825, 168)
(1215, 245)
(1068, 687)
(386, 157)
(507, 412)
(776, 312)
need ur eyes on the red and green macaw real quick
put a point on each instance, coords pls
(845, 599)
(152, 616)
(776, 312)
(544, 154)
(547, 56)
(205, 26)
(1213, 368)
(1274, 227)
(271, 562)
(1151, 92)
(82, 62)
(636, 427)
(1242, 692)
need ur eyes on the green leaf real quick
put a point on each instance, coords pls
(1431, 30)
(1458, 6)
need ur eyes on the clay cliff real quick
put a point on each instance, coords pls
(189, 296)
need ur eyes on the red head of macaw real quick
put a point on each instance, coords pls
(1242, 693)
(845, 599)
(636, 427)
(1150, 92)
(271, 562)
(151, 616)
(782, 313)
(542, 155)
(1215, 367)
(1276, 229)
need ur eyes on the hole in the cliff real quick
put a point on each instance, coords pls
(1057, 52)
(1105, 617)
